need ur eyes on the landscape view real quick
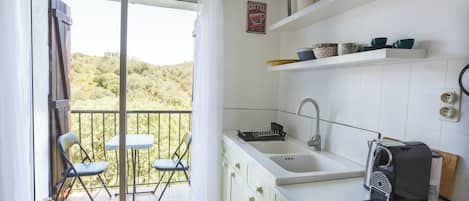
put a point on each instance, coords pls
(159, 82)
(150, 89)
(95, 84)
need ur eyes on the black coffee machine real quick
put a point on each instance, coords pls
(400, 171)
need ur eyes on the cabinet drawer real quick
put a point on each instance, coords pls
(277, 198)
(259, 182)
(236, 160)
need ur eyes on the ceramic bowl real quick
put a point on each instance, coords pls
(324, 50)
(348, 48)
(305, 54)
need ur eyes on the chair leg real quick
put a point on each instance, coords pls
(187, 178)
(105, 187)
(71, 186)
(166, 186)
(84, 187)
(60, 189)
(159, 182)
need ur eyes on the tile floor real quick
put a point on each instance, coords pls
(176, 192)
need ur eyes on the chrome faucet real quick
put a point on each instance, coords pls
(315, 141)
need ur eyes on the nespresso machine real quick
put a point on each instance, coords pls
(398, 171)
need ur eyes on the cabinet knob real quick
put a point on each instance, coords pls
(224, 164)
(259, 189)
(252, 199)
(238, 165)
(232, 174)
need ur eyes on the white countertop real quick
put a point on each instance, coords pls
(334, 190)
(350, 189)
(283, 177)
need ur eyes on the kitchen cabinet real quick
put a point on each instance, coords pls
(242, 178)
(226, 181)
(277, 198)
(238, 190)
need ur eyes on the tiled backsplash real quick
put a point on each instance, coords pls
(399, 100)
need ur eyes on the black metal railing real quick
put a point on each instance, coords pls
(95, 127)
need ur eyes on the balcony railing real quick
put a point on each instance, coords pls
(95, 127)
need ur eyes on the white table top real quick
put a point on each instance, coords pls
(133, 141)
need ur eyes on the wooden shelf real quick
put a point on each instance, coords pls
(375, 57)
(318, 11)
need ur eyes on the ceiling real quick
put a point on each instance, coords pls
(177, 4)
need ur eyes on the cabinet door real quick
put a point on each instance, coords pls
(277, 198)
(226, 181)
(238, 189)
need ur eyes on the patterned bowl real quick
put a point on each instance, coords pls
(324, 50)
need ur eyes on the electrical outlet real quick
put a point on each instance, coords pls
(450, 105)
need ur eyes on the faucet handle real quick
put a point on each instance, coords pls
(315, 142)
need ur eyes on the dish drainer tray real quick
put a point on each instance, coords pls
(261, 135)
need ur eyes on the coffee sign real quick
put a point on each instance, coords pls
(257, 17)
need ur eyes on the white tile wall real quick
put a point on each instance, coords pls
(394, 100)
(234, 119)
(399, 100)
(246, 84)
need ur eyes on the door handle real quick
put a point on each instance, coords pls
(259, 189)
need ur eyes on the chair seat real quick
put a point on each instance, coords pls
(169, 164)
(88, 169)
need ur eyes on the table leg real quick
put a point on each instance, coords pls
(134, 156)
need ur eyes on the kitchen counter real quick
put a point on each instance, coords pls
(284, 177)
(348, 189)
(334, 190)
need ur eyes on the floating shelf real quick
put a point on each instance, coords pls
(375, 57)
(318, 11)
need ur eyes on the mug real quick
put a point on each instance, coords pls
(348, 48)
(404, 43)
(379, 42)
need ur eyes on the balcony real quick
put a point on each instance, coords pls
(95, 127)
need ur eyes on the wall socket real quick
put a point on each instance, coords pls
(450, 105)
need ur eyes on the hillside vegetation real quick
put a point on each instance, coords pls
(95, 84)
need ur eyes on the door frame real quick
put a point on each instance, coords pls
(123, 101)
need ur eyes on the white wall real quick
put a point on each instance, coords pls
(400, 100)
(40, 93)
(16, 154)
(248, 88)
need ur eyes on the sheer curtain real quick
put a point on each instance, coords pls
(208, 101)
(16, 164)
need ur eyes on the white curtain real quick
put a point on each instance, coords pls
(208, 102)
(16, 164)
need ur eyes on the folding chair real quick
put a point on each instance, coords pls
(174, 164)
(77, 170)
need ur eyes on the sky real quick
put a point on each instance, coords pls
(156, 35)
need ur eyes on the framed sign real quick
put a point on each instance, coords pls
(256, 17)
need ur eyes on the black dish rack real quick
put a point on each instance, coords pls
(275, 134)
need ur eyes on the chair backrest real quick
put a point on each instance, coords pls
(187, 139)
(64, 142)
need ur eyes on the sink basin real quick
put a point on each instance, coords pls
(293, 162)
(277, 147)
(307, 163)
